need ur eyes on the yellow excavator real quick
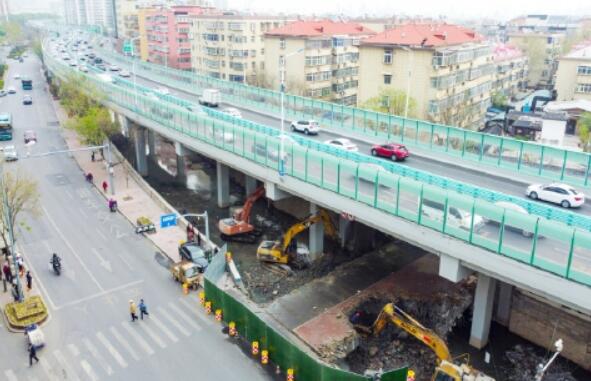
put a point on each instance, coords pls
(446, 369)
(284, 251)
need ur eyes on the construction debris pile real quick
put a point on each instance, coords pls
(394, 348)
(524, 360)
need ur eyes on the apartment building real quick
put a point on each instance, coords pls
(321, 58)
(447, 69)
(573, 77)
(543, 50)
(511, 68)
(75, 12)
(232, 46)
(126, 14)
(102, 13)
(164, 34)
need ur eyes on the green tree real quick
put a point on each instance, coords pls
(584, 126)
(391, 101)
(94, 126)
(12, 32)
(499, 99)
(535, 49)
(72, 93)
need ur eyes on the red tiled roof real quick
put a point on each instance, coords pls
(320, 28)
(427, 35)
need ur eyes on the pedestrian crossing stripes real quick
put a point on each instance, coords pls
(113, 348)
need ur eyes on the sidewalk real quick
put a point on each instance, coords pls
(134, 196)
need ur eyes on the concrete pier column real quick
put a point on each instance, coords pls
(250, 184)
(180, 151)
(316, 236)
(223, 184)
(141, 161)
(152, 144)
(483, 306)
(344, 228)
(504, 298)
(125, 124)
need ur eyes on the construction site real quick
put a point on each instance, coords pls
(369, 302)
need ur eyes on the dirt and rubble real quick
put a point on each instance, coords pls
(393, 347)
(523, 361)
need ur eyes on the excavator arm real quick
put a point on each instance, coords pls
(244, 213)
(296, 229)
(393, 314)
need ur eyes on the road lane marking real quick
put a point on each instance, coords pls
(47, 369)
(10, 376)
(163, 328)
(151, 333)
(88, 369)
(124, 343)
(102, 261)
(67, 370)
(174, 322)
(73, 350)
(136, 336)
(99, 294)
(97, 356)
(114, 352)
(68, 193)
(196, 311)
(90, 274)
(103, 236)
(185, 317)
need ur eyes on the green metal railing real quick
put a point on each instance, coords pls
(554, 246)
(282, 352)
(529, 158)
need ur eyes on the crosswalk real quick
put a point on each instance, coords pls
(104, 353)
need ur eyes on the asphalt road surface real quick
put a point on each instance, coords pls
(89, 335)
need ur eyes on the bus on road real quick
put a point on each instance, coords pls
(27, 84)
(5, 126)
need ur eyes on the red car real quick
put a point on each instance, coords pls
(393, 151)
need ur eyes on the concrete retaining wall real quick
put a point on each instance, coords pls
(542, 323)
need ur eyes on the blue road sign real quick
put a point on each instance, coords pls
(167, 220)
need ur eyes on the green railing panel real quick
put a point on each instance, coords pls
(387, 198)
(553, 162)
(348, 171)
(456, 141)
(457, 222)
(510, 154)
(512, 246)
(299, 161)
(575, 168)
(559, 237)
(531, 158)
(491, 150)
(330, 173)
(409, 193)
(368, 177)
(579, 269)
(314, 160)
(433, 197)
(473, 146)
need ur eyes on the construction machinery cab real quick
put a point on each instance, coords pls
(446, 370)
(238, 228)
(285, 250)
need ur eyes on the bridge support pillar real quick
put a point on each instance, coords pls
(344, 228)
(504, 297)
(316, 239)
(452, 269)
(223, 184)
(483, 306)
(273, 193)
(125, 125)
(140, 149)
(152, 144)
(250, 184)
(180, 151)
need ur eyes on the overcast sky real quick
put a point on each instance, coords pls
(500, 9)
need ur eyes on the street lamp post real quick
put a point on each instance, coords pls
(132, 44)
(409, 66)
(282, 60)
(558, 345)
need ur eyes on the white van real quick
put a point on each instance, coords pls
(455, 217)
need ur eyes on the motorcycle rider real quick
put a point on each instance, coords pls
(56, 261)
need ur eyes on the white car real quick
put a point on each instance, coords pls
(9, 153)
(11, 90)
(561, 194)
(233, 112)
(17, 76)
(124, 73)
(343, 143)
(114, 68)
(162, 90)
(73, 63)
(83, 68)
(516, 208)
(308, 127)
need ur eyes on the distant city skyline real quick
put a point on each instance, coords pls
(457, 9)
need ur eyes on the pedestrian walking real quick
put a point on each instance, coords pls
(105, 186)
(92, 156)
(7, 272)
(143, 309)
(32, 354)
(21, 265)
(14, 292)
(132, 310)
(29, 280)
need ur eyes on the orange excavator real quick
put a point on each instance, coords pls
(238, 227)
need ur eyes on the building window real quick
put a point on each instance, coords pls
(584, 70)
(236, 78)
(388, 56)
(387, 79)
(282, 43)
(584, 88)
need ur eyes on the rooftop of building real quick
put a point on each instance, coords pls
(581, 51)
(224, 15)
(425, 35)
(320, 28)
(504, 52)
